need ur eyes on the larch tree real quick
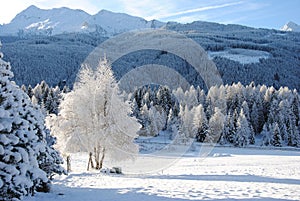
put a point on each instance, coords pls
(93, 117)
(186, 122)
(216, 126)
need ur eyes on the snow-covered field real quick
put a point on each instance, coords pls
(243, 56)
(225, 174)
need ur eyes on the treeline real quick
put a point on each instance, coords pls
(46, 96)
(228, 114)
(231, 114)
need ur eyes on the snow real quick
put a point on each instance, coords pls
(36, 21)
(248, 174)
(291, 26)
(243, 56)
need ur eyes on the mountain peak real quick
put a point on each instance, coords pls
(34, 20)
(32, 7)
(291, 26)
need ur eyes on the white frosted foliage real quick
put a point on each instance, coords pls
(94, 115)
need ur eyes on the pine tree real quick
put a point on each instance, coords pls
(164, 98)
(246, 110)
(154, 118)
(145, 121)
(30, 91)
(229, 129)
(243, 131)
(266, 135)
(276, 139)
(254, 118)
(200, 124)
(295, 106)
(27, 160)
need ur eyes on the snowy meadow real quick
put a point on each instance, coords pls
(225, 174)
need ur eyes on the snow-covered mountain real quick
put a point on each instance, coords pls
(114, 23)
(36, 21)
(291, 26)
(242, 54)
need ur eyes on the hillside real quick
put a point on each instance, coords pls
(240, 53)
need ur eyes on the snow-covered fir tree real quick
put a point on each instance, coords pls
(276, 139)
(229, 129)
(200, 124)
(27, 160)
(243, 130)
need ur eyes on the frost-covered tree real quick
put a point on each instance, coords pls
(254, 118)
(93, 117)
(276, 139)
(229, 129)
(200, 124)
(266, 135)
(216, 126)
(186, 127)
(52, 100)
(243, 131)
(216, 97)
(246, 110)
(156, 121)
(172, 119)
(144, 120)
(164, 98)
(27, 160)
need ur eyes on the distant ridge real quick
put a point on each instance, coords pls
(36, 21)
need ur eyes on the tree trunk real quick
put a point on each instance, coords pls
(97, 157)
(69, 163)
(102, 158)
(90, 161)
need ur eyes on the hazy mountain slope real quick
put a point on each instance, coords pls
(55, 59)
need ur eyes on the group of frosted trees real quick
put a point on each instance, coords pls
(231, 114)
(27, 157)
(47, 97)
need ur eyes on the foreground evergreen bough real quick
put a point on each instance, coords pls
(27, 158)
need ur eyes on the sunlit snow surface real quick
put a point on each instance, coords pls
(225, 174)
(243, 56)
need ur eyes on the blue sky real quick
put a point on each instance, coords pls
(255, 13)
